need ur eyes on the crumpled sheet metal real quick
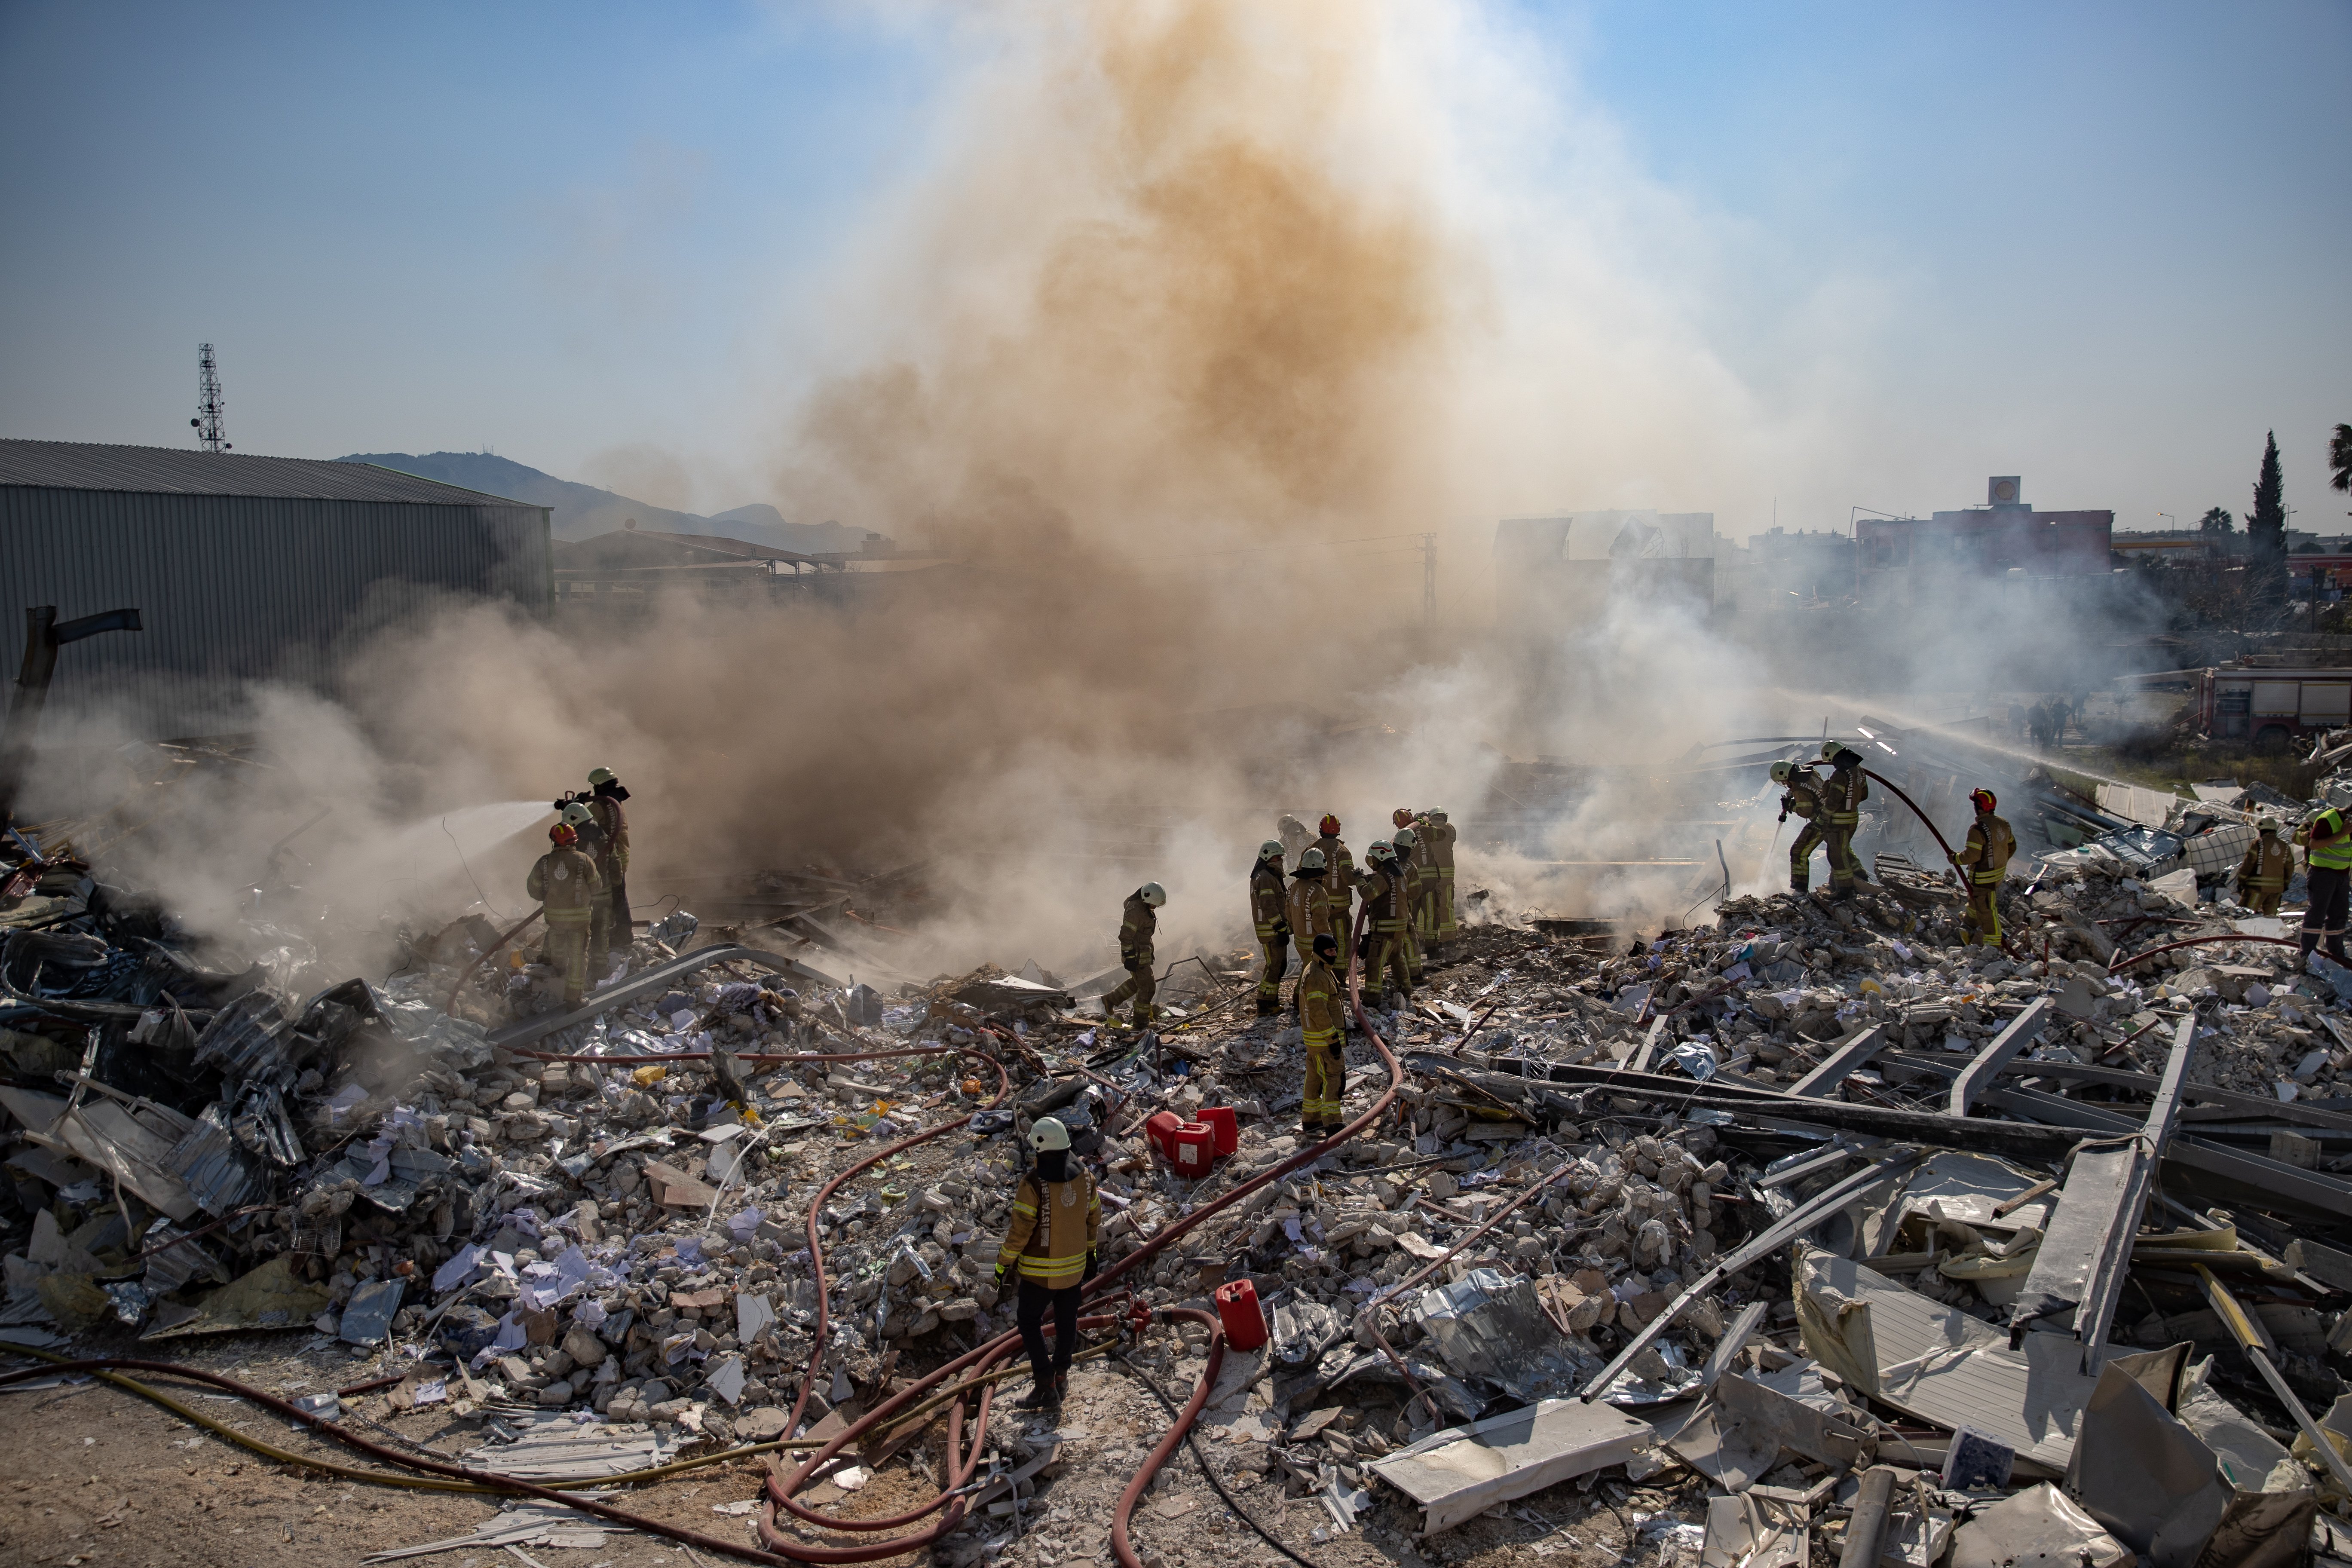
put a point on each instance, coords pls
(1460, 1471)
(270, 1297)
(1488, 1325)
(2039, 1527)
(1939, 1363)
(2142, 1473)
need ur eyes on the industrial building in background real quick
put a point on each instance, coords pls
(242, 568)
(1910, 560)
(1564, 569)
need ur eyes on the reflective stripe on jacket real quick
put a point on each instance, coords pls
(1055, 1225)
(1986, 856)
(1318, 1006)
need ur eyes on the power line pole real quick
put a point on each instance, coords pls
(209, 402)
(1429, 578)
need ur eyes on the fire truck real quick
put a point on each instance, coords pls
(2271, 706)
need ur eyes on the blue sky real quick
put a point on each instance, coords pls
(2103, 244)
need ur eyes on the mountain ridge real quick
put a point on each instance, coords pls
(583, 511)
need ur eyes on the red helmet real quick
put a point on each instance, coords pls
(1329, 825)
(1982, 799)
(1401, 816)
(564, 833)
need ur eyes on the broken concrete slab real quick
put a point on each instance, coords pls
(1460, 1472)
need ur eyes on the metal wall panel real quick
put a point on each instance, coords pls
(238, 589)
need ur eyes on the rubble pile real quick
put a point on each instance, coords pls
(1812, 1217)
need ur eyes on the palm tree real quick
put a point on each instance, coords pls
(2339, 458)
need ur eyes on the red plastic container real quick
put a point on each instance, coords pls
(1220, 1119)
(1192, 1148)
(1158, 1127)
(1243, 1319)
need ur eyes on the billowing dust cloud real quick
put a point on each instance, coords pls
(1187, 335)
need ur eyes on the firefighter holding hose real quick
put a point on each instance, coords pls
(1982, 862)
(2262, 874)
(1270, 915)
(1054, 1242)
(1387, 914)
(1320, 1020)
(1800, 795)
(1841, 795)
(1136, 926)
(2326, 841)
(606, 795)
(564, 882)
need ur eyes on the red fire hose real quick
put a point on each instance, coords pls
(951, 1501)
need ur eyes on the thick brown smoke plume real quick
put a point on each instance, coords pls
(1164, 312)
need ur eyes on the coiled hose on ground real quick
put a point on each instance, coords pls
(980, 1365)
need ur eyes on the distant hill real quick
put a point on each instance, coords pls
(583, 511)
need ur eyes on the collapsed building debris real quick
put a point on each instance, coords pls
(1810, 1208)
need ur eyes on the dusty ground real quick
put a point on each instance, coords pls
(96, 1476)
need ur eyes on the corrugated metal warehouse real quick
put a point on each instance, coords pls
(242, 568)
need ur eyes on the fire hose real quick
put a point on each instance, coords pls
(952, 1500)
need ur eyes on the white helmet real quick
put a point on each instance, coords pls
(1046, 1134)
(1152, 893)
(1312, 860)
(1270, 850)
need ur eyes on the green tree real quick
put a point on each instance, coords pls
(2339, 458)
(2217, 521)
(2267, 530)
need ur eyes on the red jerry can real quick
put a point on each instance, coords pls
(1192, 1148)
(1159, 1129)
(1243, 1319)
(1220, 1121)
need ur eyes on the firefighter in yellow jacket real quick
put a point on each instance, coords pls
(1407, 844)
(604, 798)
(1311, 902)
(1052, 1241)
(1386, 917)
(1841, 795)
(1137, 927)
(1270, 914)
(1340, 878)
(1983, 861)
(2263, 874)
(1799, 797)
(1322, 1022)
(1440, 836)
(565, 884)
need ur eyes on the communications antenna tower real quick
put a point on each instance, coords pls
(209, 403)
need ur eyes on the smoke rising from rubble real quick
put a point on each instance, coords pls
(1194, 286)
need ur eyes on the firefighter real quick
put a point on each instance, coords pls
(1055, 1240)
(1310, 908)
(1413, 826)
(604, 798)
(2327, 842)
(1442, 834)
(564, 883)
(1386, 917)
(1841, 795)
(591, 843)
(1800, 794)
(1319, 1020)
(1339, 874)
(1270, 912)
(1983, 862)
(1407, 844)
(2262, 874)
(1136, 929)
(1295, 840)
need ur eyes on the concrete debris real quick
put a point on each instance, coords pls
(1757, 1208)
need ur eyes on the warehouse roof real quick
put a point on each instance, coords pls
(164, 470)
